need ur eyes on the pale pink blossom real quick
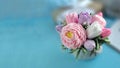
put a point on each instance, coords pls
(73, 35)
(99, 17)
(72, 18)
(106, 32)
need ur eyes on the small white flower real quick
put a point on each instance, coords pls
(94, 30)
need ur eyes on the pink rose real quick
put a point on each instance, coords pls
(72, 17)
(106, 32)
(99, 17)
(73, 35)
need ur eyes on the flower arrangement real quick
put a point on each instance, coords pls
(83, 33)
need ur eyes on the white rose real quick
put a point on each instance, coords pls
(94, 30)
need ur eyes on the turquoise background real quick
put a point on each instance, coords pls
(28, 38)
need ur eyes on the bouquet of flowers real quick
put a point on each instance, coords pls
(83, 34)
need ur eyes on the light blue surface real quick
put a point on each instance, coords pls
(28, 39)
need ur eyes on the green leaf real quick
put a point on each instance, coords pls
(93, 52)
(106, 40)
(63, 47)
(72, 50)
(84, 50)
(75, 52)
(97, 45)
(64, 23)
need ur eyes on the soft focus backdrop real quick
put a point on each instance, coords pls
(28, 38)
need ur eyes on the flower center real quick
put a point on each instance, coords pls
(69, 34)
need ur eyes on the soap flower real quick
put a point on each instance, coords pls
(89, 45)
(84, 18)
(94, 30)
(73, 35)
(106, 32)
(59, 28)
(99, 17)
(71, 18)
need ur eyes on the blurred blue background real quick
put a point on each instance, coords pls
(28, 38)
